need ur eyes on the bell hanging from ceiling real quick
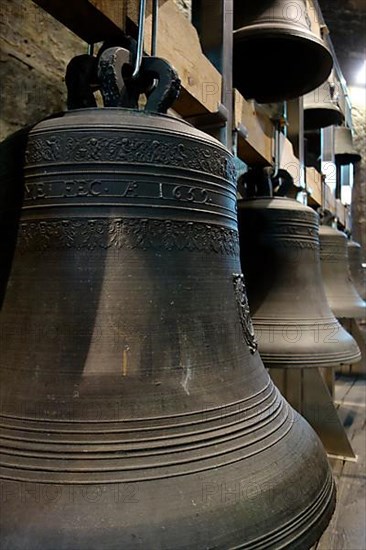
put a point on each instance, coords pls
(358, 273)
(276, 54)
(342, 295)
(279, 245)
(136, 411)
(344, 150)
(321, 107)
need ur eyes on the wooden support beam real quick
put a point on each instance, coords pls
(257, 147)
(178, 42)
(289, 161)
(329, 199)
(91, 20)
(314, 184)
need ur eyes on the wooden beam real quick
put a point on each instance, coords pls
(178, 42)
(289, 161)
(91, 20)
(329, 199)
(341, 213)
(314, 184)
(257, 147)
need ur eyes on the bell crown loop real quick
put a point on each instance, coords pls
(112, 72)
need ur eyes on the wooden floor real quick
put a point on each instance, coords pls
(347, 531)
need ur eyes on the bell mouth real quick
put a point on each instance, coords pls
(271, 66)
(320, 117)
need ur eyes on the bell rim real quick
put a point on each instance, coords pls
(354, 244)
(271, 360)
(316, 117)
(347, 158)
(321, 55)
(300, 357)
(354, 312)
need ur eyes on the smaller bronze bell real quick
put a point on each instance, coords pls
(276, 55)
(358, 273)
(342, 295)
(295, 327)
(321, 107)
(344, 150)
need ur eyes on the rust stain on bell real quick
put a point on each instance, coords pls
(124, 362)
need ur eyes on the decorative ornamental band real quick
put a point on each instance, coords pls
(281, 241)
(127, 233)
(74, 148)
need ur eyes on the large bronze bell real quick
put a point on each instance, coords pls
(136, 411)
(344, 150)
(279, 244)
(321, 107)
(358, 273)
(276, 55)
(342, 295)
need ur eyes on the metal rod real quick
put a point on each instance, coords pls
(285, 116)
(277, 148)
(227, 68)
(302, 176)
(140, 39)
(154, 30)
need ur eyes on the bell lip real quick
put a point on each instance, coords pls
(353, 244)
(321, 58)
(292, 363)
(346, 350)
(347, 158)
(353, 312)
(316, 117)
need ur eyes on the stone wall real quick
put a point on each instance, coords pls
(358, 98)
(34, 52)
(185, 6)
